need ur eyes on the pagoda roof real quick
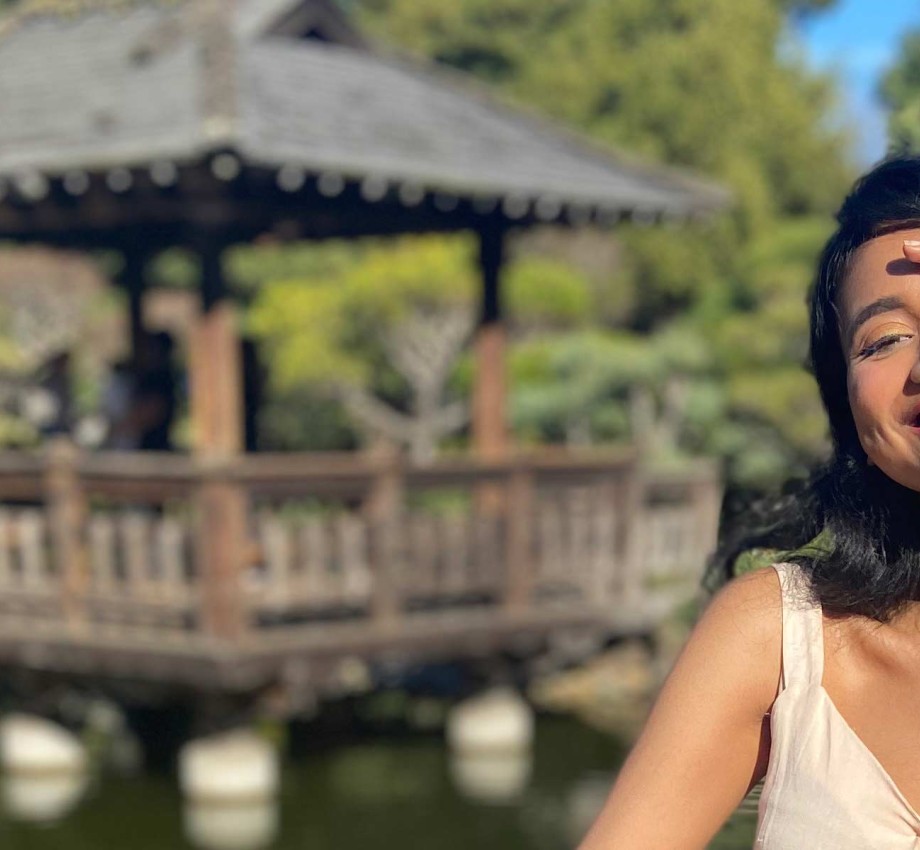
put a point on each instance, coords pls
(86, 88)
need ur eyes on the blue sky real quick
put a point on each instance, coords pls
(858, 40)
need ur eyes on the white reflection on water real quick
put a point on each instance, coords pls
(367, 794)
(495, 778)
(242, 826)
(41, 798)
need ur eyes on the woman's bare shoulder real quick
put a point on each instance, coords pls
(752, 602)
(743, 629)
(703, 745)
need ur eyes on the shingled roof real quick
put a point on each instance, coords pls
(114, 84)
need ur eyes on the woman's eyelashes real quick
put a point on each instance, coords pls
(883, 344)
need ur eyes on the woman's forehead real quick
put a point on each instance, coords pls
(879, 267)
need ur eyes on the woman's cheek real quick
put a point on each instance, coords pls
(866, 397)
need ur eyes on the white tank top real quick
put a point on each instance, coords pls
(824, 789)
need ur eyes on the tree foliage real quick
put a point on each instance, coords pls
(699, 83)
(384, 332)
(900, 92)
(690, 339)
(711, 329)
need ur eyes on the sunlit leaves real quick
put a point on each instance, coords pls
(305, 326)
(547, 293)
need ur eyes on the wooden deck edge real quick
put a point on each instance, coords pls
(309, 651)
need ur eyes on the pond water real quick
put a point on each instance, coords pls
(388, 792)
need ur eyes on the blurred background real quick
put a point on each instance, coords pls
(373, 377)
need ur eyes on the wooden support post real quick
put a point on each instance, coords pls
(133, 279)
(519, 552)
(215, 384)
(490, 434)
(489, 426)
(67, 511)
(215, 367)
(385, 510)
(217, 421)
(221, 553)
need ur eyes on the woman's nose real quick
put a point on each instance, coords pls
(915, 371)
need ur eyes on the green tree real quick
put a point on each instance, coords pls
(900, 92)
(713, 86)
(691, 339)
(700, 83)
(384, 333)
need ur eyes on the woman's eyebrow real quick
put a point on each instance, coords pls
(882, 305)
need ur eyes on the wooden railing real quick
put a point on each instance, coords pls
(163, 548)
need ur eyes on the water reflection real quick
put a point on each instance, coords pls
(493, 778)
(372, 775)
(585, 801)
(45, 768)
(230, 768)
(42, 798)
(251, 826)
(389, 793)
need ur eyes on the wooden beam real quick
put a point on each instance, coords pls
(165, 217)
(215, 365)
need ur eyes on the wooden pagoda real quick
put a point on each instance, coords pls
(141, 126)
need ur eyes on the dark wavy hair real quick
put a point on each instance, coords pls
(866, 559)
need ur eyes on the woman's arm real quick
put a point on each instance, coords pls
(706, 741)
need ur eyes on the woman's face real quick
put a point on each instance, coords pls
(879, 323)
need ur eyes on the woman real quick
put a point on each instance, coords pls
(807, 673)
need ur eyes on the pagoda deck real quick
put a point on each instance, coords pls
(107, 561)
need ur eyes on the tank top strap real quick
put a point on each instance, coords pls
(803, 628)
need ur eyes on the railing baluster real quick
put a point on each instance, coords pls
(6, 561)
(356, 583)
(519, 549)
(386, 510)
(102, 548)
(171, 559)
(276, 546)
(136, 541)
(67, 512)
(591, 536)
(637, 539)
(549, 516)
(315, 560)
(597, 589)
(30, 543)
(455, 541)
